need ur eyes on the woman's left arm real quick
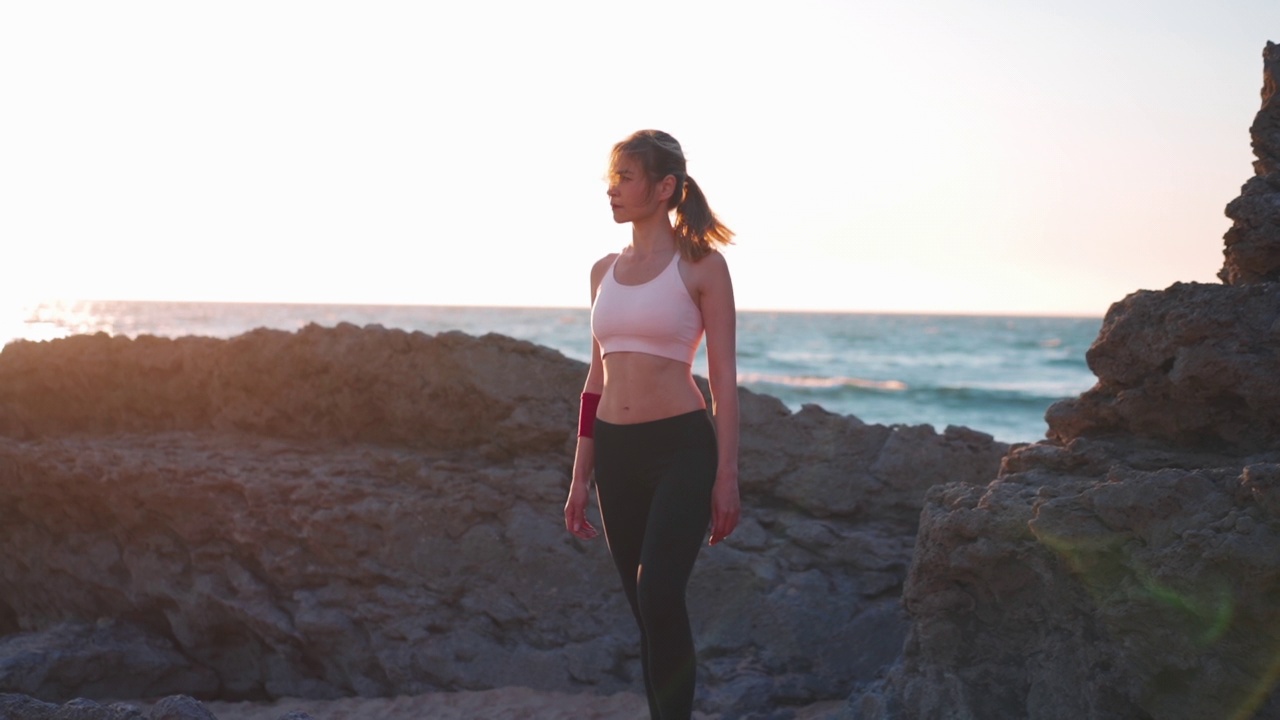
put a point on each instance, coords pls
(719, 318)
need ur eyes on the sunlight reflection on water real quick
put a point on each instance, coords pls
(22, 321)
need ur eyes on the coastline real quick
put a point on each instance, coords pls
(992, 373)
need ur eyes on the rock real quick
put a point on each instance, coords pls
(83, 709)
(1262, 482)
(369, 512)
(180, 707)
(1253, 240)
(1193, 365)
(341, 384)
(1141, 593)
(1252, 249)
(1265, 130)
(107, 659)
(126, 711)
(830, 465)
(15, 706)
(1128, 566)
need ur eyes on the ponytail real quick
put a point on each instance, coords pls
(698, 230)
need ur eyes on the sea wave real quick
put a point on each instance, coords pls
(1047, 391)
(809, 381)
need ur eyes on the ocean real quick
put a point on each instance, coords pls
(994, 374)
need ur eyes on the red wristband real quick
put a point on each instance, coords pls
(587, 414)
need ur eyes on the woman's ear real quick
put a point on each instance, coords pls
(666, 188)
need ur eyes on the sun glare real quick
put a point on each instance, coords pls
(859, 171)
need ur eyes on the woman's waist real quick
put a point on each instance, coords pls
(625, 408)
(626, 405)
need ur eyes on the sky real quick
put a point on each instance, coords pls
(985, 156)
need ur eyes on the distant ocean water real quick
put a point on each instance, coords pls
(994, 374)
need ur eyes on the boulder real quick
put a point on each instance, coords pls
(494, 395)
(1108, 581)
(1193, 366)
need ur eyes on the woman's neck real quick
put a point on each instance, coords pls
(652, 236)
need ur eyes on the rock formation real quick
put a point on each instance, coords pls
(1253, 243)
(362, 511)
(1129, 566)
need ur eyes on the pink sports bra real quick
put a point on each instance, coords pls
(657, 317)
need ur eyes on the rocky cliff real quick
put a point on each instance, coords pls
(1129, 566)
(364, 511)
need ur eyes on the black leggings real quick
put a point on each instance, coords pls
(653, 483)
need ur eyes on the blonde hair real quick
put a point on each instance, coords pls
(698, 230)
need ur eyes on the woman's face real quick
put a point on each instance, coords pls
(630, 195)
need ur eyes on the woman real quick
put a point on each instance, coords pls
(663, 473)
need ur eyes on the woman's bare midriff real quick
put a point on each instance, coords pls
(639, 387)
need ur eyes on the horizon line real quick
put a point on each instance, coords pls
(1012, 313)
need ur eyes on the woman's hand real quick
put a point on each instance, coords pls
(725, 507)
(575, 512)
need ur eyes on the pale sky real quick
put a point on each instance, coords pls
(990, 156)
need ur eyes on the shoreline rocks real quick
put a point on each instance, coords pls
(248, 530)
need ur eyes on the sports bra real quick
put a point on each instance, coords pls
(657, 317)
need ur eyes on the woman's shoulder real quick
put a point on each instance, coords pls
(603, 264)
(712, 264)
(713, 259)
(599, 269)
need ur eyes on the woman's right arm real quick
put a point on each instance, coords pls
(575, 508)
